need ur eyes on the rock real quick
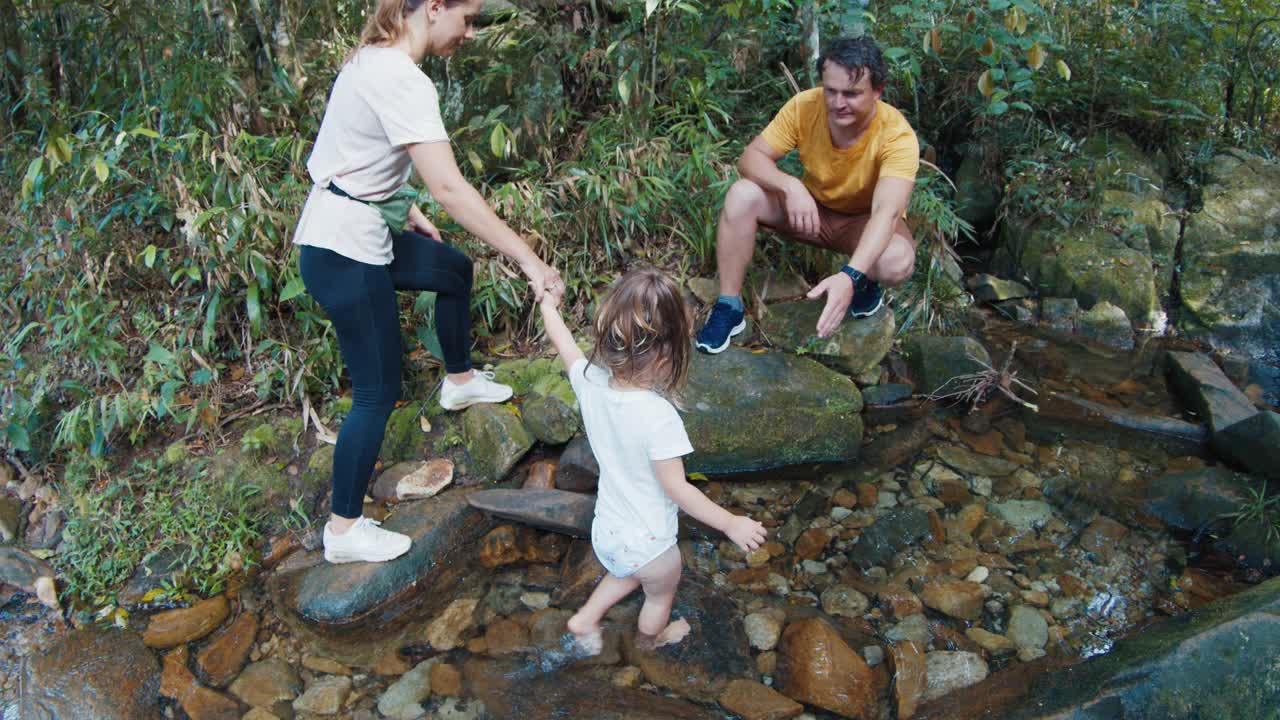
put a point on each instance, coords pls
(856, 346)
(978, 187)
(910, 676)
(266, 683)
(763, 630)
(403, 699)
(698, 670)
(811, 543)
(541, 476)
(900, 601)
(1027, 627)
(1107, 324)
(199, 703)
(842, 601)
(578, 470)
(510, 694)
(91, 673)
(384, 488)
(949, 671)
(887, 394)
(1205, 391)
(506, 637)
(1062, 415)
(706, 290)
(221, 659)
(499, 547)
(1102, 536)
(1173, 669)
(551, 418)
(1252, 444)
(890, 534)
(175, 627)
(914, 628)
(1193, 499)
(1231, 260)
(580, 572)
(957, 598)
(991, 642)
(21, 569)
(1024, 515)
(936, 361)
(258, 713)
(426, 481)
(817, 667)
(556, 510)
(751, 700)
(325, 696)
(749, 411)
(446, 630)
(404, 439)
(496, 439)
(331, 603)
(324, 665)
(446, 680)
(10, 516)
(991, 289)
(1060, 313)
(967, 461)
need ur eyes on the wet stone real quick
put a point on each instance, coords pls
(174, 627)
(446, 630)
(751, 700)
(959, 599)
(910, 679)
(556, 510)
(811, 543)
(950, 671)
(844, 601)
(991, 642)
(266, 683)
(325, 696)
(967, 461)
(763, 630)
(1027, 627)
(402, 700)
(578, 470)
(886, 394)
(817, 667)
(221, 659)
(91, 673)
(1102, 537)
(199, 703)
(506, 637)
(1252, 444)
(446, 680)
(542, 476)
(1206, 391)
(890, 534)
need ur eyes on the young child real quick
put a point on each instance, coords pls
(640, 360)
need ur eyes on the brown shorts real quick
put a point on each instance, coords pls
(840, 232)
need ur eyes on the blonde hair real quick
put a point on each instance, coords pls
(386, 24)
(642, 332)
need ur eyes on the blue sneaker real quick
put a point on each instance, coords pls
(725, 322)
(867, 299)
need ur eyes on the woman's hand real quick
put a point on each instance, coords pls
(419, 223)
(543, 279)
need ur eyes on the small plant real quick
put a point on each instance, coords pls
(1261, 510)
(976, 387)
(259, 439)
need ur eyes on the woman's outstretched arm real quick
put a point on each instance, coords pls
(439, 170)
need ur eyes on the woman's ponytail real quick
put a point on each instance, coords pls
(386, 25)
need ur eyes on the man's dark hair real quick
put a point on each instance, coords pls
(860, 56)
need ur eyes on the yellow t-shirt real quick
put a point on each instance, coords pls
(844, 180)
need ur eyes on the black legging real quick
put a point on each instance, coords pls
(360, 300)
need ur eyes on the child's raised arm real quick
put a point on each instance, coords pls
(743, 531)
(558, 332)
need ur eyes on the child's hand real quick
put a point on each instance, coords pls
(746, 533)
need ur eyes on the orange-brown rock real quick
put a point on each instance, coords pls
(868, 495)
(1072, 586)
(811, 543)
(845, 498)
(910, 676)
(988, 443)
(505, 637)
(175, 627)
(499, 547)
(226, 653)
(580, 572)
(953, 494)
(957, 598)
(751, 700)
(536, 546)
(542, 475)
(775, 548)
(200, 703)
(817, 667)
(446, 680)
(900, 600)
(971, 516)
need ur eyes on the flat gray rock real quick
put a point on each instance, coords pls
(1205, 390)
(559, 511)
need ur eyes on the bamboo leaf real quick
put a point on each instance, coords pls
(293, 289)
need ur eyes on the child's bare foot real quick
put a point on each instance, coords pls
(674, 632)
(587, 638)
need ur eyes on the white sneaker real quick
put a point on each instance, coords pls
(481, 389)
(364, 542)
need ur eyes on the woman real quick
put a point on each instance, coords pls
(382, 121)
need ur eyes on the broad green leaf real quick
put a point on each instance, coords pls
(985, 84)
(253, 306)
(145, 132)
(476, 163)
(159, 355)
(497, 141)
(100, 169)
(293, 289)
(1064, 70)
(149, 256)
(624, 89)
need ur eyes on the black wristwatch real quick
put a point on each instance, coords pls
(855, 275)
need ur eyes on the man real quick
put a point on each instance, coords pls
(860, 158)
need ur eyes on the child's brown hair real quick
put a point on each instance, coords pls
(642, 332)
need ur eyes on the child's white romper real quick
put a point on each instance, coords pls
(635, 521)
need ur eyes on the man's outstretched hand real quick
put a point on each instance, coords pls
(839, 291)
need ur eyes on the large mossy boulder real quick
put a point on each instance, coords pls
(496, 440)
(549, 407)
(1230, 279)
(1118, 248)
(855, 347)
(748, 410)
(404, 439)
